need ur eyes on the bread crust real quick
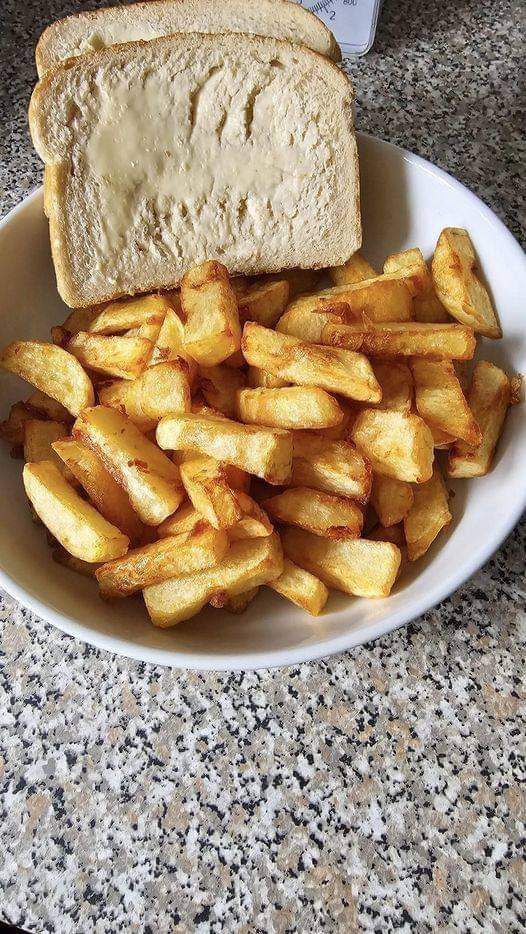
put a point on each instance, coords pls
(336, 242)
(206, 16)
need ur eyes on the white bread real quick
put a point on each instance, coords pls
(88, 32)
(165, 153)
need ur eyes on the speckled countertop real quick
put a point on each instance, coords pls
(376, 791)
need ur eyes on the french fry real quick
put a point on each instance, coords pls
(458, 285)
(299, 280)
(12, 429)
(150, 479)
(359, 567)
(408, 339)
(441, 402)
(441, 439)
(397, 445)
(265, 452)
(75, 523)
(185, 519)
(356, 269)
(122, 356)
(388, 297)
(105, 493)
(240, 284)
(342, 371)
(43, 404)
(169, 344)
(63, 557)
(290, 407)
(313, 326)
(247, 564)
(254, 522)
(321, 513)
(207, 485)
(393, 534)
(173, 556)
(219, 385)
(158, 391)
(428, 515)
(121, 316)
(262, 379)
(330, 466)
(38, 440)
(52, 370)
(341, 432)
(212, 331)
(427, 307)
(391, 499)
(301, 587)
(264, 302)
(396, 383)
(237, 603)
(388, 339)
(489, 398)
(79, 319)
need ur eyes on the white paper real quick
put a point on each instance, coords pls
(353, 22)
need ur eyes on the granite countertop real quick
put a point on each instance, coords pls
(375, 791)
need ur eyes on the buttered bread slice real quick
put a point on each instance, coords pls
(162, 154)
(97, 29)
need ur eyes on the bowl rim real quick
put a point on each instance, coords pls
(277, 658)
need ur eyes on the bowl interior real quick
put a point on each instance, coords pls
(405, 202)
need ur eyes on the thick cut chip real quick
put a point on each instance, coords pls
(254, 522)
(79, 319)
(441, 402)
(262, 379)
(358, 567)
(44, 405)
(211, 330)
(396, 382)
(397, 445)
(342, 371)
(301, 587)
(63, 557)
(38, 439)
(428, 515)
(237, 603)
(321, 513)
(392, 499)
(330, 466)
(173, 556)
(219, 386)
(185, 519)
(75, 523)
(426, 304)
(388, 339)
(356, 269)
(383, 298)
(169, 344)
(290, 407)
(458, 285)
(149, 477)
(489, 398)
(104, 492)
(299, 280)
(265, 452)
(207, 485)
(264, 303)
(52, 370)
(393, 534)
(120, 316)
(122, 356)
(247, 564)
(159, 390)
(13, 428)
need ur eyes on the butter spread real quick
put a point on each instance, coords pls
(186, 142)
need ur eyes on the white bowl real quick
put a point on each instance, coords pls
(406, 202)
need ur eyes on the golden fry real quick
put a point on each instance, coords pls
(212, 331)
(391, 499)
(290, 407)
(396, 444)
(264, 303)
(158, 391)
(301, 587)
(122, 356)
(458, 285)
(428, 515)
(321, 513)
(441, 402)
(356, 269)
(489, 398)
(52, 370)
(330, 466)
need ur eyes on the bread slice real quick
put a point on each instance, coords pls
(88, 32)
(165, 153)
